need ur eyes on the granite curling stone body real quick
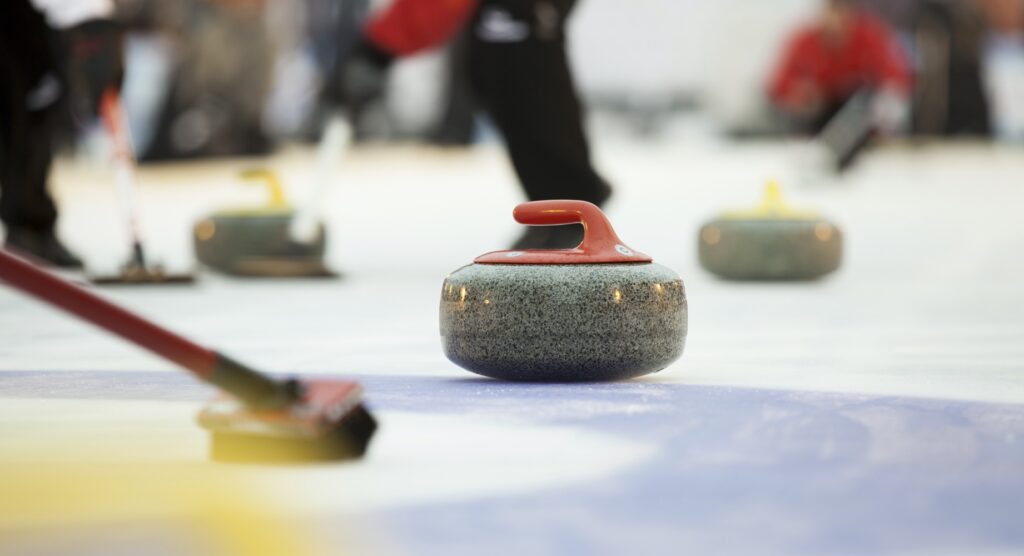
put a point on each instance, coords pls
(257, 242)
(598, 312)
(770, 242)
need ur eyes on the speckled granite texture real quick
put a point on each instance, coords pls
(770, 249)
(256, 245)
(563, 323)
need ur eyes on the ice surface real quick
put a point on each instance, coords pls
(878, 410)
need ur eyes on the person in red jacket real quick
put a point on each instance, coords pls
(847, 50)
(519, 73)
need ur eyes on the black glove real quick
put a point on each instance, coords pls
(95, 63)
(359, 77)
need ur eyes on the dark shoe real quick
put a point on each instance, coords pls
(41, 245)
(550, 237)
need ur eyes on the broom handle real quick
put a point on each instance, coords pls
(334, 143)
(113, 116)
(254, 388)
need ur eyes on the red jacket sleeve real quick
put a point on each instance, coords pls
(890, 64)
(796, 56)
(410, 26)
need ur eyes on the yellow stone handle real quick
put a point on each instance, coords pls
(772, 206)
(772, 199)
(273, 183)
(772, 202)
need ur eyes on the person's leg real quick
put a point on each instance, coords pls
(527, 87)
(520, 73)
(11, 89)
(28, 108)
(968, 101)
(25, 166)
(458, 118)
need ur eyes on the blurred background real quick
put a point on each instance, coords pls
(248, 80)
(206, 78)
(901, 120)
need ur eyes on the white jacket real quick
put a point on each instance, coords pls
(61, 14)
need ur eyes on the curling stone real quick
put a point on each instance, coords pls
(260, 241)
(598, 312)
(770, 242)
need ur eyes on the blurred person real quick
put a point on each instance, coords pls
(846, 51)
(519, 72)
(950, 97)
(222, 59)
(1005, 17)
(53, 53)
(1004, 66)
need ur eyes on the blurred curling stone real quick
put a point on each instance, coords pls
(770, 242)
(261, 241)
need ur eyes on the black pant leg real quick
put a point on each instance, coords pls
(520, 73)
(458, 116)
(28, 105)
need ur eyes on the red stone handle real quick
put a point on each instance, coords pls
(598, 236)
(600, 243)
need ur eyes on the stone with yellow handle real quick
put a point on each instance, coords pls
(771, 241)
(256, 241)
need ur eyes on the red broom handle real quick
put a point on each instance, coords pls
(79, 302)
